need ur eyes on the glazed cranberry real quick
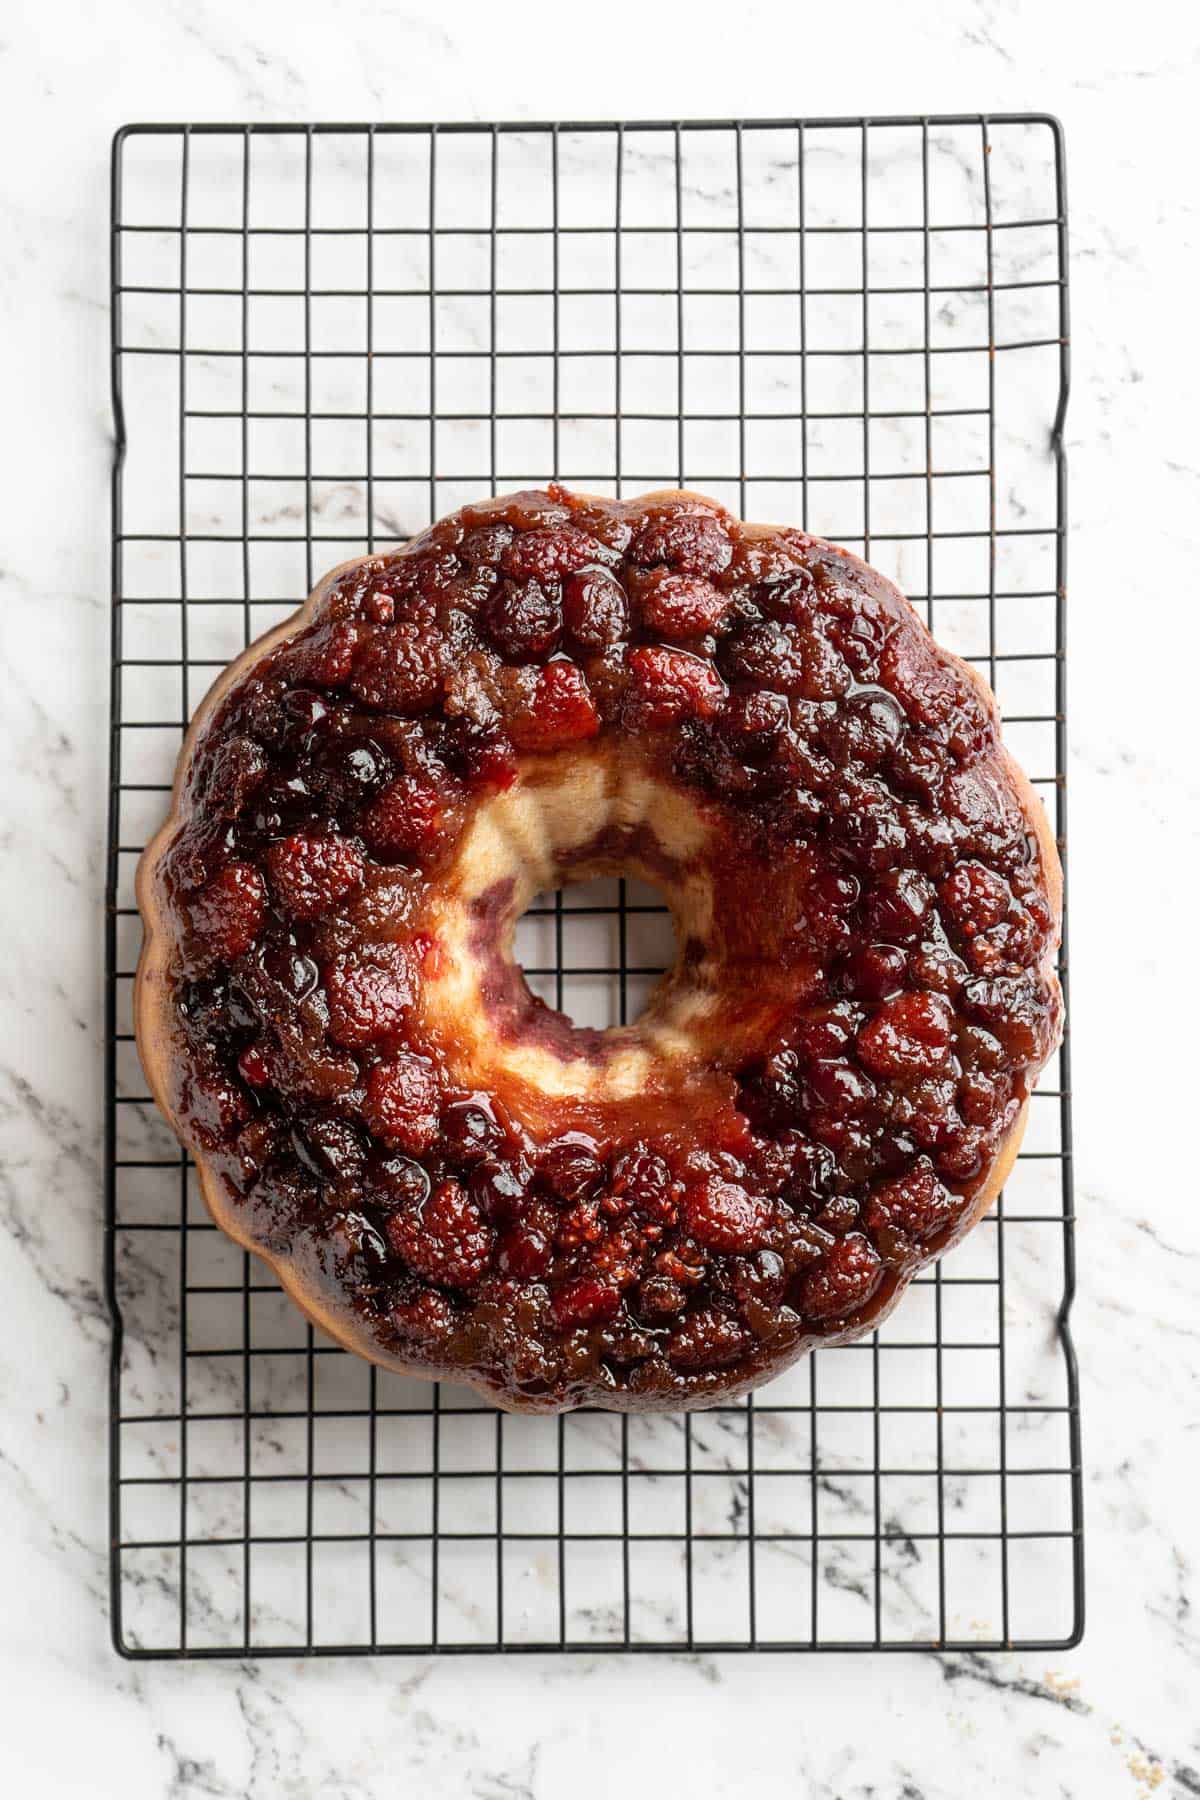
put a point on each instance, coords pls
(759, 1280)
(470, 1131)
(523, 620)
(1009, 946)
(400, 1181)
(399, 668)
(253, 1067)
(789, 597)
(557, 551)
(643, 1179)
(379, 607)
(492, 765)
(401, 1105)
(310, 873)
(975, 897)
(960, 1154)
(669, 685)
(1015, 1010)
(833, 890)
(445, 1240)
(917, 766)
(839, 1088)
(408, 817)
(659, 1297)
(426, 1319)
(814, 1168)
(680, 606)
(570, 1168)
(770, 1094)
(580, 1224)
(351, 772)
(785, 659)
(929, 1109)
(915, 1203)
(327, 657)
(257, 1142)
(595, 609)
(866, 823)
(982, 818)
(758, 717)
(369, 993)
(767, 654)
(218, 1107)
(500, 1188)
(845, 1279)
(484, 546)
(227, 913)
(898, 905)
(981, 1096)
(827, 1030)
(722, 1216)
(525, 1253)
(330, 1146)
(839, 1213)
(238, 768)
(910, 1035)
(584, 1301)
(708, 1339)
(286, 721)
(561, 711)
(876, 971)
(938, 969)
(978, 1049)
(692, 543)
(931, 692)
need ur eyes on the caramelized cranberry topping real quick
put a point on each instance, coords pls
(882, 928)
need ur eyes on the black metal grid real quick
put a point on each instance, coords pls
(324, 336)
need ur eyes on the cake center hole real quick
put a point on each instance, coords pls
(594, 950)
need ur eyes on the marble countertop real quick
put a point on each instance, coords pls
(1118, 1716)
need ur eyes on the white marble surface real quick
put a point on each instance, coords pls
(1120, 1715)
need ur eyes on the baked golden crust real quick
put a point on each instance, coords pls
(332, 1307)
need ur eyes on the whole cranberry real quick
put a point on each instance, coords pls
(708, 1339)
(312, 871)
(910, 1035)
(845, 1279)
(525, 1252)
(409, 816)
(722, 1216)
(680, 606)
(898, 905)
(641, 1177)
(839, 1088)
(876, 971)
(669, 685)
(550, 553)
(523, 620)
(693, 543)
(559, 712)
(584, 1301)
(570, 1168)
(445, 1240)
(470, 1131)
(369, 993)
(975, 897)
(227, 913)
(400, 1180)
(401, 1105)
(595, 609)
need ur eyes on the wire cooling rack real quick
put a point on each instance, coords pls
(323, 338)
